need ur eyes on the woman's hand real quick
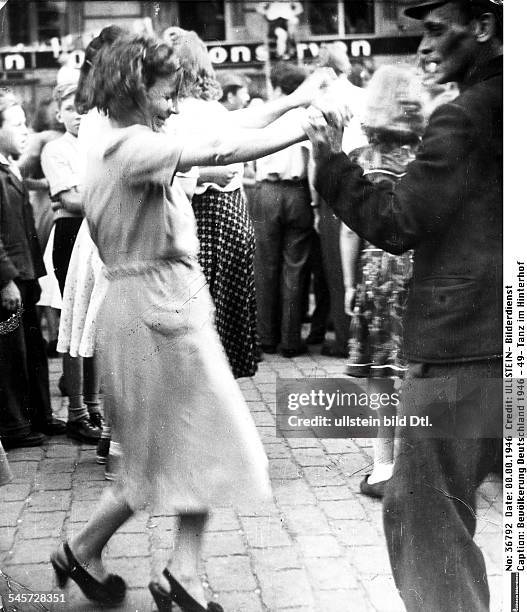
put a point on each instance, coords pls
(220, 175)
(313, 86)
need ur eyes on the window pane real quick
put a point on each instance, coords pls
(322, 16)
(18, 22)
(206, 18)
(359, 16)
(96, 8)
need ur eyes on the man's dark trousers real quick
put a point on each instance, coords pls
(329, 228)
(24, 378)
(283, 225)
(429, 505)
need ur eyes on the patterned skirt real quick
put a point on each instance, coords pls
(226, 237)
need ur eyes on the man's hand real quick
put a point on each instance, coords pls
(10, 297)
(313, 86)
(325, 137)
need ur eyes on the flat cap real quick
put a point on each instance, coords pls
(418, 10)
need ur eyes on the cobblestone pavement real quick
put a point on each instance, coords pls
(318, 547)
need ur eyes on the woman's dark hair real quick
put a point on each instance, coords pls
(123, 72)
(198, 79)
(106, 37)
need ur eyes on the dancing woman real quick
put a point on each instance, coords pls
(188, 440)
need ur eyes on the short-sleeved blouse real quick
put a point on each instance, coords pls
(133, 211)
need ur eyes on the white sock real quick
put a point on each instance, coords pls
(381, 471)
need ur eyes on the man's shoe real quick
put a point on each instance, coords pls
(103, 449)
(53, 427)
(270, 349)
(294, 352)
(358, 370)
(31, 439)
(315, 338)
(332, 350)
(96, 419)
(83, 431)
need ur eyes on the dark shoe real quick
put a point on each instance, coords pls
(332, 350)
(358, 370)
(373, 490)
(62, 386)
(83, 431)
(179, 596)
(96, 419)
(110, 592)
(381, 371)
(315, 338)
(103, 448)
(31, 439)
(53, 427)
(51, 349)
(296, 352)
(270, 349)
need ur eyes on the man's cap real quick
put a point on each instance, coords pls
(63, 91)
(230, 79)
(418, 10)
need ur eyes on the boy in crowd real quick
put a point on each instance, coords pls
(25, 406)
(62, 163)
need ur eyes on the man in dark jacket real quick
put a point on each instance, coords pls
(448, 208)
(25, 407)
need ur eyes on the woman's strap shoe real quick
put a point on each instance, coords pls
(178, 595)
(110, 592)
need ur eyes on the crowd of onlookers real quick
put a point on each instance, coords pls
(135, 207)
(275, 256)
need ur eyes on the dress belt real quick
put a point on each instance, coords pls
(139, 268)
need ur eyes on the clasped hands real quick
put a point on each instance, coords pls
(328, 114)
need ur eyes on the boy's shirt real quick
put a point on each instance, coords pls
(63, 165)
(20, 255)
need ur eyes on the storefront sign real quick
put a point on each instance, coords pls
(221, 54)
(226, 54)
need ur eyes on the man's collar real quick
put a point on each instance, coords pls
(4, 161)
(485, 71)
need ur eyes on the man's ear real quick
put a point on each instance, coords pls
(485, 27)
(58, 116)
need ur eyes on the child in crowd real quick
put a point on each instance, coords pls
(62, 163)
(376, 281)
(25, 406)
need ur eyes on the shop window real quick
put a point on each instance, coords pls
(322, 17)
(34, 22)
(359, 16)
(206, 18)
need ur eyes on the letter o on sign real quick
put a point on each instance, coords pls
(218, 55)
(76, 58)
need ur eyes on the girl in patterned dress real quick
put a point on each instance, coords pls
(376, 282)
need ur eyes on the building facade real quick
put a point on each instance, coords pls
(38, 36)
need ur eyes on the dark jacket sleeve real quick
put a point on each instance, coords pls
(397, 218)
(8, 270)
